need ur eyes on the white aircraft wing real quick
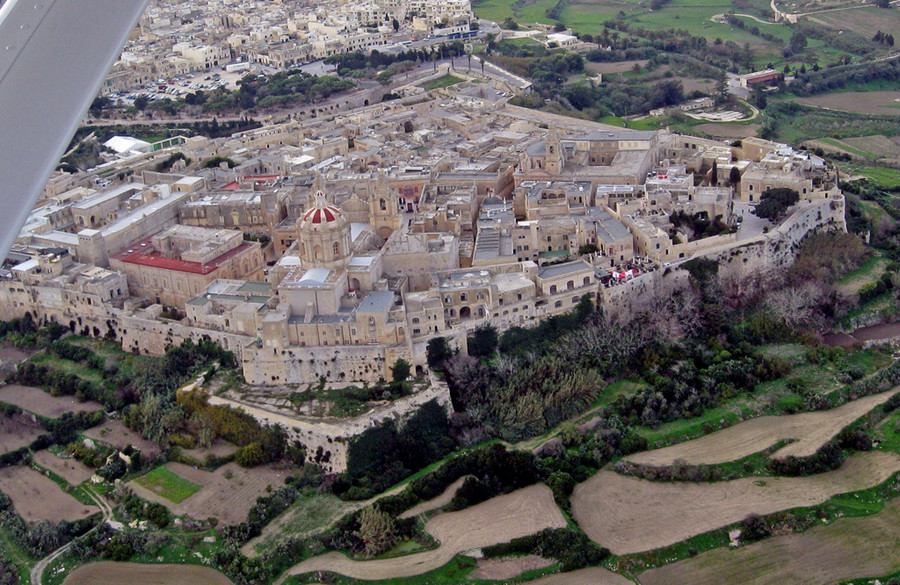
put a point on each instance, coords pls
(54, 57)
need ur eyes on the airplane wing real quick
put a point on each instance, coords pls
(54, 57)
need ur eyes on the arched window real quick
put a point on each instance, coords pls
(382, 204)
(335, 249)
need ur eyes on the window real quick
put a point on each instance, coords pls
(335, 249)
(415, 319)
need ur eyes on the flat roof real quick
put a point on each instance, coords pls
(143, 254)
(563, 269)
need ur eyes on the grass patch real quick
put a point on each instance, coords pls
(882, 177)
(68, 367)
(18, 555)
(443, 81)
(169, 485)
(793, 352)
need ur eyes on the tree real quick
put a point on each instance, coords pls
(588, 249)
(721, 92)
(510, 24)
(141, 102)
(438, 352)
(400, 370)
(714, 174)
(798, 41)
(98, 105)
(734, 176)
(483, 341)
(377, 531)
(396, 24)
(773, 203)
(883, 3)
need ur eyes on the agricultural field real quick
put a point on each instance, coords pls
(729, 130)
(864, 21)
(227, 493)
(110, 573)
(116, 434)
(810, 430)
(858, 102)
(42, 402)
(11, 353)
(36, 497)
(500, 519)
(71, 470)
(881, 177)
(850, 547)
(437, 502)
(509, 567)
(877, 145)
(444, 81)
(592, 575)
(17, 432)
(628, 515)
(163, 482)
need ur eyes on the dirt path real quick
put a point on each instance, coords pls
(811, 430)
(629, 515)
(500, 519)
(824, 555)
(37, 571)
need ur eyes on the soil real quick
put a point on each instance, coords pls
(71, 470)
(589, 576)
(848, 548)
(43, 403)
(729, 130)
(116, 434)
(810, 429)
(229, 500)
(859, 102)
(109, 573)
(18, 431)
(436, 502)
(500, 519)
(36, 497)
(498, 569)
(877, 144)
(11, 353)
(618, 67)
(629, 515)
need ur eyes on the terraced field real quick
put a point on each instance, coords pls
(824, 555)
(500, 519)
(810, 430)
(629, 515)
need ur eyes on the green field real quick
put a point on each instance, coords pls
(848, 148)
(445, 81)
(882, 177)
(167, 484)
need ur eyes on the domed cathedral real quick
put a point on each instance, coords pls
(385, 215)
(324, 235)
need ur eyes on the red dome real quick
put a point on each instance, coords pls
(322, 215)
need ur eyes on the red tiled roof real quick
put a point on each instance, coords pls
(143, 254)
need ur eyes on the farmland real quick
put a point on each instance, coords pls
(165, 483)
(116, 434)
(226, 493)
(43, 403)
(17, 431)
(500, 519)
(71, 470)
(858, 102)
(109, 573)
(36, 497)
(629, 515)
(850, 547)
(811, 430)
